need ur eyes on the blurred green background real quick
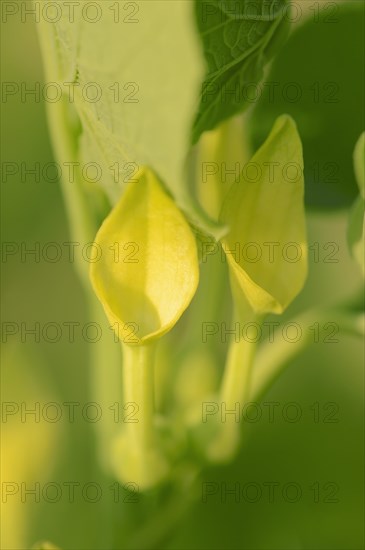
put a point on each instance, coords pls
(305, 452)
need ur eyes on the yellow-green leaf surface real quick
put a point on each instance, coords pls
(145, 294)
(265, 211)
(133, 78)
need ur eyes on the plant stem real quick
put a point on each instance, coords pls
(237, 373)
(64, 130)
(105, 383)
(273, 357)
(137, 454)
(138, 385)
(233, 393)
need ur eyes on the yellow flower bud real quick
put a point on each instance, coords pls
(267, 211)
(145, 295)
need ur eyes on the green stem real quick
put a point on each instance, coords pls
(105, 383)
(64, 129)
(273, 357)
(234, 392)
(138, 385)
(237, 373)
(59, 117)
(137, 454)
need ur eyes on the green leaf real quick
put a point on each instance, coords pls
(148, 269)
(268, 208)
(318, 79)
(239, 38)
(146, 77)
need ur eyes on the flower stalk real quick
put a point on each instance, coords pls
(237, 373)
(138, 389)
(136, 453)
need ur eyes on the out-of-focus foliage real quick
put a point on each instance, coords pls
(318, 79)
(311, 452)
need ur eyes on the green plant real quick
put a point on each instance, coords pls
(152, 196)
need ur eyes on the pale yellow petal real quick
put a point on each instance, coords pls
(266, 243)
(146, 289)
